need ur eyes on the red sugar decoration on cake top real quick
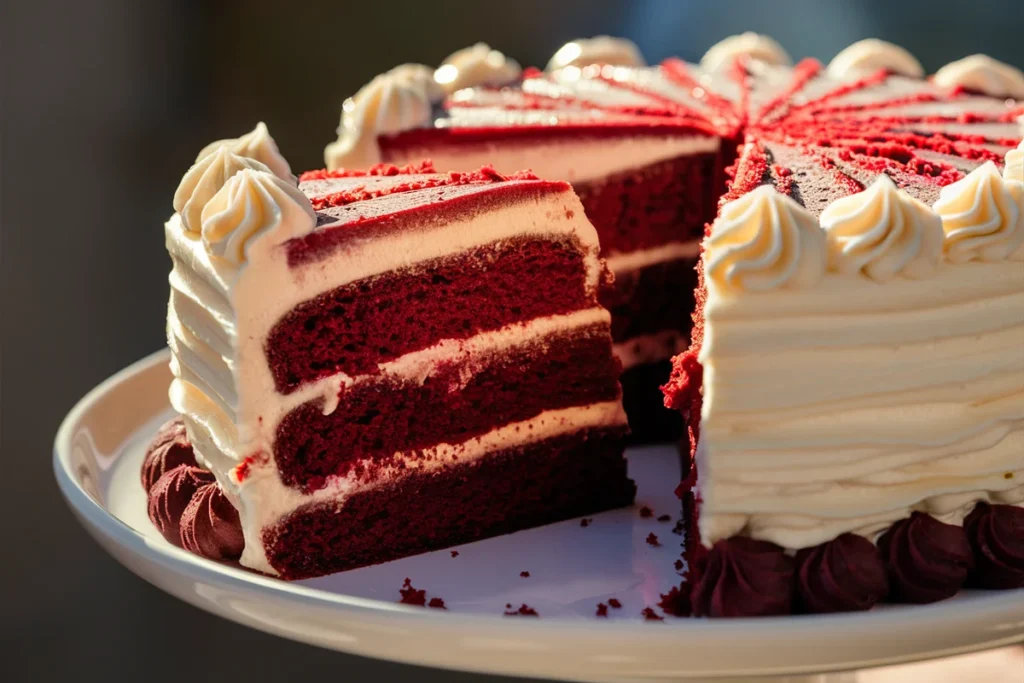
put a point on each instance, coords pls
(416, 168)
(485, 175)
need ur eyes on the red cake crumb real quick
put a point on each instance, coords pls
(437, 603)
(412, 596)
(422, 167)
(678, 564)
(244, 468)
(652, 540)
(650, 615)
(646, 512)
(455, 553)
(525, 575)
(602, 609)
(523, 611)
(676, 602)
(613, 602)
(665, 518)
(586, 521)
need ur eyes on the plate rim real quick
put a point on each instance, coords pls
(1001, 605)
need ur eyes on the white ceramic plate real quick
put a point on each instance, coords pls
(97, 458)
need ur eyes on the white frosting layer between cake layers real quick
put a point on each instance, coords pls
(575, 160)
(844, 407)
(220, 315)
(619, 262)
(651, 348)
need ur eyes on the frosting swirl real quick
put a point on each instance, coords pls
(474, 66)
(251, 204)
(395, 101)
(168, 449)
(597, 50)
(171, 495)
(1014, 168)
(996, 534)
(762, 48)
(981, 73)
(206, 177)
(845, 574)
(765, 240)
(882, 232)
(872, 54)
(210, 525)
(982, 216)
(744, 577)
(256, 144)
(926, 560)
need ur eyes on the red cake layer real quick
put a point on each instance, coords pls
(652, 299)
(669, 201)
(376, 419)
(355, 327)
(525, 486)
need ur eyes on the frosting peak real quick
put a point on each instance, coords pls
(765, 240)
(256, 144)
(254, 203)
(723, 53)
(1014, 170)
(395, 101)
(597, 50)
(206, 177)
(983, 217)
(982, 74)
(474, 66)
(883, 232)
(872, 54)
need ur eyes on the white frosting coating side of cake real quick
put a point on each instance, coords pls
(845, 405)
(220, 314)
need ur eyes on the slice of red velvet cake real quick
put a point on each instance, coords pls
(376, 364)
(640, 148)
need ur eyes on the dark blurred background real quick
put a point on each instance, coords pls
(105, 105)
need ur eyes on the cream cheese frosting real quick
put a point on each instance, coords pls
(256, 144)
(844, 407)
(395, 101)
(882, 232)
(476, 65)
(597, 50)
(763, 241)
(982, 216)
(871, 54)
(253, 203)
(982, 74)
(724, 53)
(205, 179)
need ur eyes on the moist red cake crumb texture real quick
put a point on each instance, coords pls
(373, 321)
(602, 609)
(569, 475)
(649, 614)
(665, 518)
(455, 553)
(646, 512)
(436, 603)
(585, 522)
(524, 575)
(375, 419)
(614, 603)
(652, 540)
(523, 610)
(412, 596)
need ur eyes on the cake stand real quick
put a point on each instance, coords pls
(571, 569)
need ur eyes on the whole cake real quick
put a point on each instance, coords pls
(854, 387)
(377, 363)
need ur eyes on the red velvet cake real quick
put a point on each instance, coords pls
(853, 385)
(378, 363)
